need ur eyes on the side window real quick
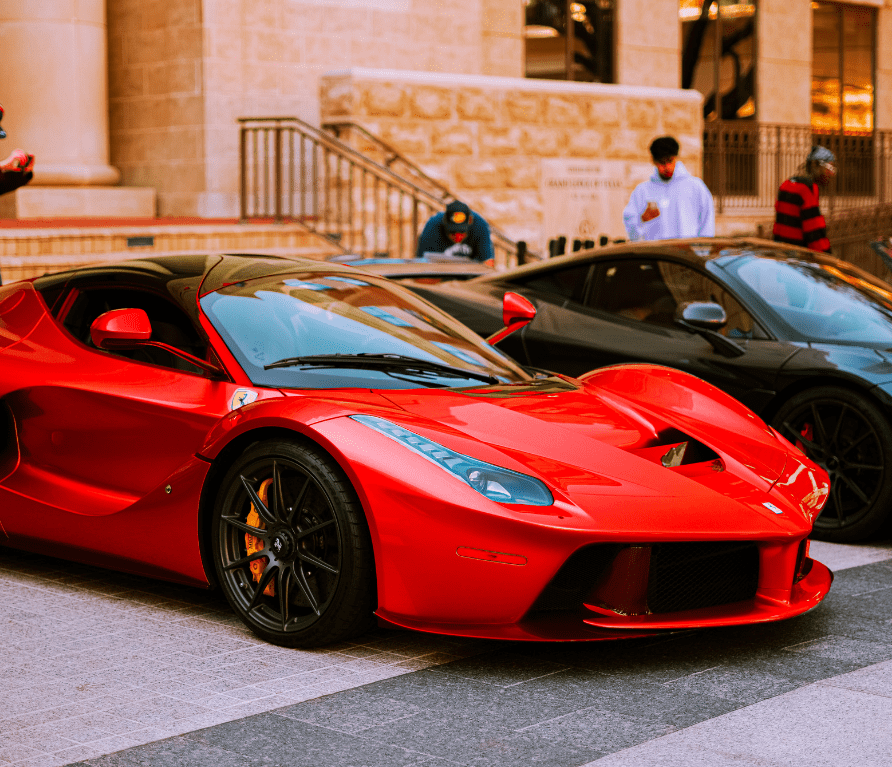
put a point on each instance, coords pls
(568, 283)
(170, 325)
(688, 284)
(634, 289)
(650, 291)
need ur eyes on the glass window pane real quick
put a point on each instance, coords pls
(545, 33)
(825, 96)
(590, 36)
(858, 33)
(568, 283)
(736, 76)
(635, 290)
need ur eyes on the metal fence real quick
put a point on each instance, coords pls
(291, 170)
(744, 164)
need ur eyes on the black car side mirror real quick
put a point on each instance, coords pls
(705, 315)
(706, 318)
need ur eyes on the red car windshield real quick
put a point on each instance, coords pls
(350, 320)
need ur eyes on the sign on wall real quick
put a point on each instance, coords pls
(583, 199)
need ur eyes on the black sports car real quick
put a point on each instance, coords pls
(803, 339)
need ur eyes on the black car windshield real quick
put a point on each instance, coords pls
(819, 301)
(368, 331)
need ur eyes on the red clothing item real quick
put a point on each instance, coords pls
(798, 218)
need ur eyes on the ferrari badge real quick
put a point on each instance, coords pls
(242, 397)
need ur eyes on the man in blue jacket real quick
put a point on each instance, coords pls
(672, 203)
(457, 232)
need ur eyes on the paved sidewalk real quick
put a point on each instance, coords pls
(111, 671)
(93, 661)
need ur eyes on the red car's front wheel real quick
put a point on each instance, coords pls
(291, 546)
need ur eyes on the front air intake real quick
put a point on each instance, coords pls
(571, 585)
(693, 575)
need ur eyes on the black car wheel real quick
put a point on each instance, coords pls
(291, 546)
(850, 437)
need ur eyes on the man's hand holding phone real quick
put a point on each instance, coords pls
(650, 212)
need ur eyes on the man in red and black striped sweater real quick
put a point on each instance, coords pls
(798, 218)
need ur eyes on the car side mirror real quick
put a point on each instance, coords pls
(120, 329)
(706, 318)
(705, 315)
(517, 312)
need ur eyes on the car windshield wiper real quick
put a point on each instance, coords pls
(380, 362)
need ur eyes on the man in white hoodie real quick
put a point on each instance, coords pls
(672, 203)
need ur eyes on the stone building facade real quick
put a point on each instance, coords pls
(524, 152)
(131, 105)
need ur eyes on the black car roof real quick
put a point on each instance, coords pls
(693, 251)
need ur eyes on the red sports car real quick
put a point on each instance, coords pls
(325, 446)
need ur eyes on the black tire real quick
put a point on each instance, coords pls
(850, 437)
(316, 579)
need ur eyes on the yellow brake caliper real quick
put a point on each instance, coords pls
(254, 544)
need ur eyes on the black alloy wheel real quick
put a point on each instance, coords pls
(292, 548)
(850, 437)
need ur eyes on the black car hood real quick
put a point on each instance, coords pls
(871, 366)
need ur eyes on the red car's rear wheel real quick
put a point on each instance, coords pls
(291, 546)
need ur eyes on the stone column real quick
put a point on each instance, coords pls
(648, 43)
(55, 94)
(783, 74)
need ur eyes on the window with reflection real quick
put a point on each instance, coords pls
(718, 55)
(842, 90)
(370, 333)
(718, 59)
(819, 302)
(650, 290)
(579, 50)
(843, 68)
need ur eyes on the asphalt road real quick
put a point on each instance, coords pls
(108, 670)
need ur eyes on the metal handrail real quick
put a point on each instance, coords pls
(290, 169)
(392, 157)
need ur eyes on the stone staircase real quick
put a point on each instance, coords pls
(29, 249)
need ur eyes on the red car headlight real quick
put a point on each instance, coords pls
(494, 482)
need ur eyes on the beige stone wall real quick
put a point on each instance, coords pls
(184, 71)
(783, 74)
(501, 40)
(486, 137)
(648, 43)
(156, 108)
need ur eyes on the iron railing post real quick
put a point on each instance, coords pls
(277, 171)
(243, 173)
(414, 238)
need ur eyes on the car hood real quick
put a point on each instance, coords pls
(601, 425)
(864, 364)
